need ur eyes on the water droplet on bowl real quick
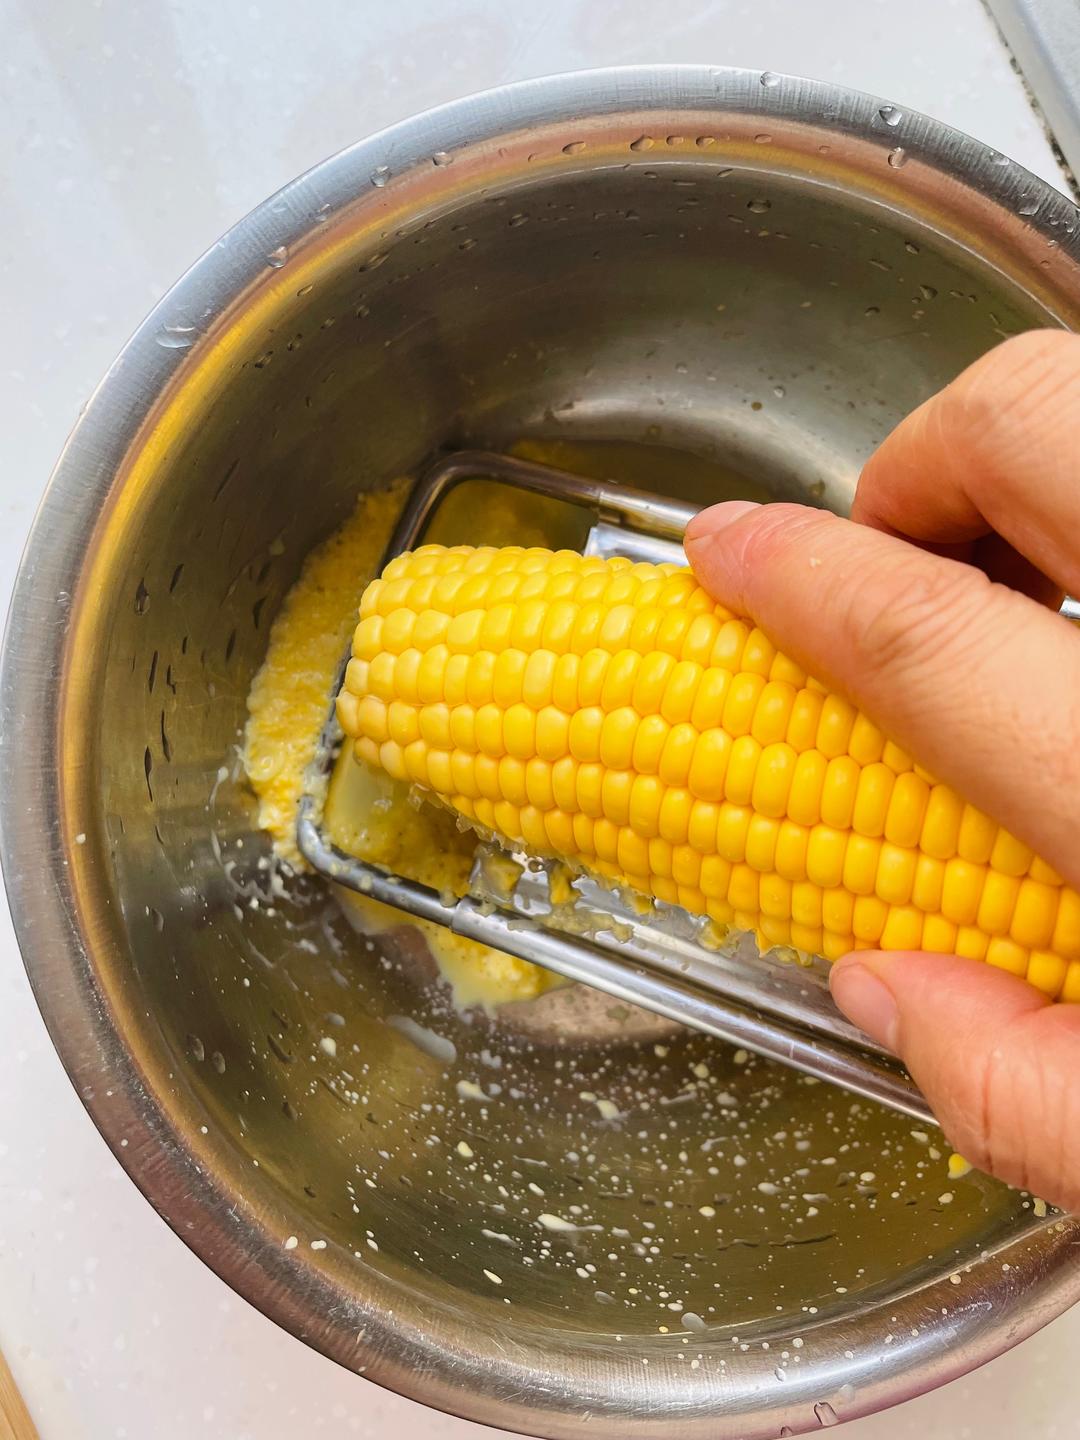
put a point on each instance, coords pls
(278, 257)
(703, 142)
(763, 139)
(898, 157)
(176, 337)
(891, 114)
(1028, 206)
(768, 79)
(759, 205)
(442, 158)
(380, 175)
(825, 1413)
(575, 147)
(674, 140)
(996, 158)
(643, 142)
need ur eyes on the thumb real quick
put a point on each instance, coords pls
(996, 1060)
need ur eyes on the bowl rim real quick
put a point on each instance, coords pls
(41, 868)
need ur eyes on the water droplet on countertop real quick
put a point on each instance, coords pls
(891, 114)
(779, 391)
(277, 258)
(176, 337)
(898, 157)
(759, 205)
(643, 142)
(768, 79)
(825, 1413)
(380, 175)
(442, 158)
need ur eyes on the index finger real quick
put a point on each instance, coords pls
(991, 458)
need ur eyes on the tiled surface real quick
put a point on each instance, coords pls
(131, 135)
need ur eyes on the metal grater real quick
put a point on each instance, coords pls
(776, 1007)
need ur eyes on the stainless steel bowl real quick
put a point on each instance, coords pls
(700, 280)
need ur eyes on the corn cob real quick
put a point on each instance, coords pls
(614, 715)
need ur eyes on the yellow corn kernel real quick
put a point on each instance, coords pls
(761, 837)
(807, 783)
(704, 822)
(941, 827)
(1009, 855)
(678, 754)
(732, 825)
(834, 727)
(792, 846)
(895, 874)
(998, 902)
(939, 935)
(1034, 916)
(742, 767)
(833, 945)
(743, 890)
(929, 882)
(977, 835)
(1066, 937)
(774, 930)
(906, 810)
(772, 779)
(1046, 971)
(772, 714)
(675, 815)
(1007, 955)
(708, 708)
(709, 766)
(869, 918)
(838, 792)
(729, 645)
(1070, 988)
(903, 928)
(805, 717)
(897, 760)
(866, 742)
(714, 876)
(825, 856)
(740, 704)
(861, 860)
(1039, 870)
(806, 903)
(838, 910)
(616, 795)
(961, 891)
(872, 797)
(618, 687)
(809, 938)
(774, 896)
(971, 942)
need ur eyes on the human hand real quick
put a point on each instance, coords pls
(932, 609)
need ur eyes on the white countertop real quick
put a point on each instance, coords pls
(132, 133)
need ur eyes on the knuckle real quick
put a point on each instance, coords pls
(992, 406)
(916, 630)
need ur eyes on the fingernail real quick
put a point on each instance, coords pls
(867, 1002)
(717, 517)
